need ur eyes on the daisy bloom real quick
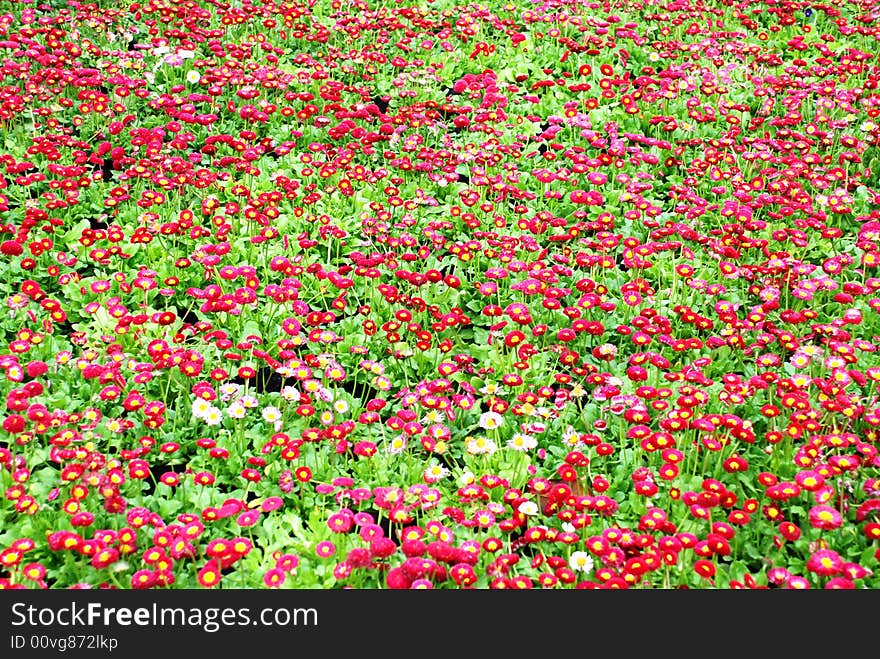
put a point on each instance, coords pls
(248, 518)
(200, 408)
(581, 561)
(228, 391)
(236, 410)
(522, 442)
(825, 562)
(210, 575)
(290, 394)
(528, 508)
(287, 562)
(492, 389)
(490, 420)
(434, 473)
(466, 478)
(481, 446)
(397, 445)
(325, 549)
(270, 504)
(274, 577)
(825, 517)
(213, 416)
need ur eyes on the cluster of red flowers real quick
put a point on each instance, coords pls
(571, 295)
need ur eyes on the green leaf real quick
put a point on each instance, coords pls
(71, 237)
(168, 507)
(753, 551)
(251, 328)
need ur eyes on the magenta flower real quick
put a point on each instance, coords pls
(248, 517)
(825, 562)
(271, 503)
(325, 549)
(825, 517)
(274, 577)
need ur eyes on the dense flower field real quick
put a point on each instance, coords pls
(377, 294)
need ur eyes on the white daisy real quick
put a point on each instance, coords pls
(228, 391)
(249, 402)
(325, 394)
(580, 561)
(432, 417)
(236, 410)
(397, 445)
(492, 389)
(528, 508)
(434, 473)
(290, 394)
(490, 420)
(213, 416)
(522, 442)
(271, 414)
(481, 446)
(312, 386)
(200, 408)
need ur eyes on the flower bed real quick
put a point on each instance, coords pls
(385, 295)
